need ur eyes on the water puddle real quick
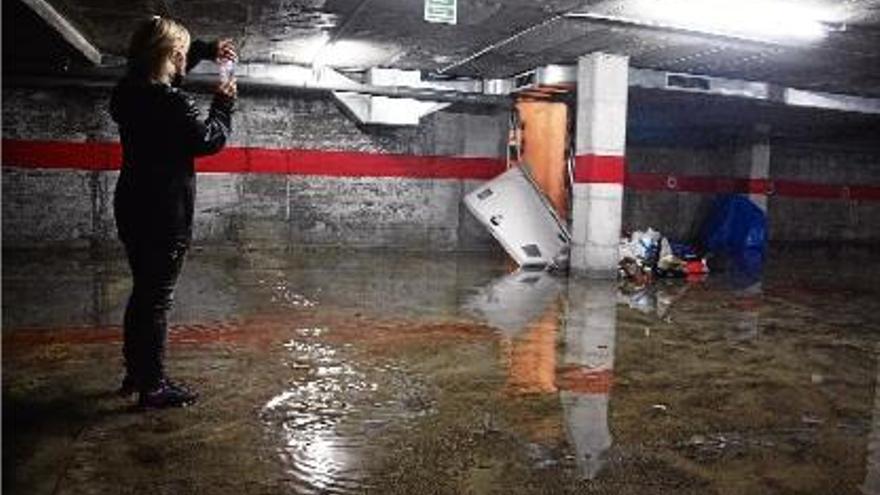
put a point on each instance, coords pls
(284, 295)
(333, 410)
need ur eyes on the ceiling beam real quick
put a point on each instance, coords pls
(64, 28)
(630, 22)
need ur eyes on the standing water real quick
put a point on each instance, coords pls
(366, 372)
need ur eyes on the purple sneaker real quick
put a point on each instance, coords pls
(167, 394)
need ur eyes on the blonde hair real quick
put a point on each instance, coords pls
(152, 44)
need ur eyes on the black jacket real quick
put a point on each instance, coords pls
(161, 133)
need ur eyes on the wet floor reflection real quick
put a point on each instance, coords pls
(312, 415)
(587, 371)
(334, 409)
(366, 373)
(534, 310)
(525, 307)
(871, 485)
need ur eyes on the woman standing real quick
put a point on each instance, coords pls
(161, 133)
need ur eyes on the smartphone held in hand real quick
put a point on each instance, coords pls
(227, 70)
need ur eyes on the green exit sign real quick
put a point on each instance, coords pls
(444, 11)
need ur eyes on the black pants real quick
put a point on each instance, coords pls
(155, 267)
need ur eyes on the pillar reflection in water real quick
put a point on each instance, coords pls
(524, 306)
(587, 369)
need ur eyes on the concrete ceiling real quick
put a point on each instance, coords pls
(522, 34)
(665, 118)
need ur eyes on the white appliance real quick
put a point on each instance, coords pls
(519, 216)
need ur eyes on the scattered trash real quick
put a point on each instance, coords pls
(735, 231)
(651, 299)
(659, 408)
(810, 419)
(647, 254)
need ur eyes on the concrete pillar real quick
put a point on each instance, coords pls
(759, 171)
(597, 203)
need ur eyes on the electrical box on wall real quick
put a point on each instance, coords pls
(517, 214)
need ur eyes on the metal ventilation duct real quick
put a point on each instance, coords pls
(397, 97)
(373, 109)
(553, 77)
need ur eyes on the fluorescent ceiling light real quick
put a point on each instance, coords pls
(300, 49)
(755, 19)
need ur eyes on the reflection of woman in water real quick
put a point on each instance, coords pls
(161, 133)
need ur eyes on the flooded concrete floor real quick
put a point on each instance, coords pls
(405, 373)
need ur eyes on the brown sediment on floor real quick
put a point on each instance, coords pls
(371, 333)
(727, 391)
(391, 336)
(112, 334)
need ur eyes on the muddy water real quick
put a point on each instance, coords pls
(376, 373)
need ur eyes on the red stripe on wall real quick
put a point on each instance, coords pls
(599, 169)
(864, 193)
(684, 183)
(60, 154)
(108, 156)
(725, 185)
(807, 190)
(588, 168)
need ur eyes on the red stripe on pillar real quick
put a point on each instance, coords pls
(585, 380)
(599, 169)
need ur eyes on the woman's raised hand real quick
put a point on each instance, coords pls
(226, 50)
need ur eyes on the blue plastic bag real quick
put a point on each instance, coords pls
(735, 226)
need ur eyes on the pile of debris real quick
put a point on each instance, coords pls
(647, 254)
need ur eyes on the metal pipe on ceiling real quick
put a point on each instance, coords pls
(476, 92)
(203, 83)
(65, 29)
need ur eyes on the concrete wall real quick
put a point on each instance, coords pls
(44, 207)
(73, 208)
(679, 214)
(676, 213)
(808, 220)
